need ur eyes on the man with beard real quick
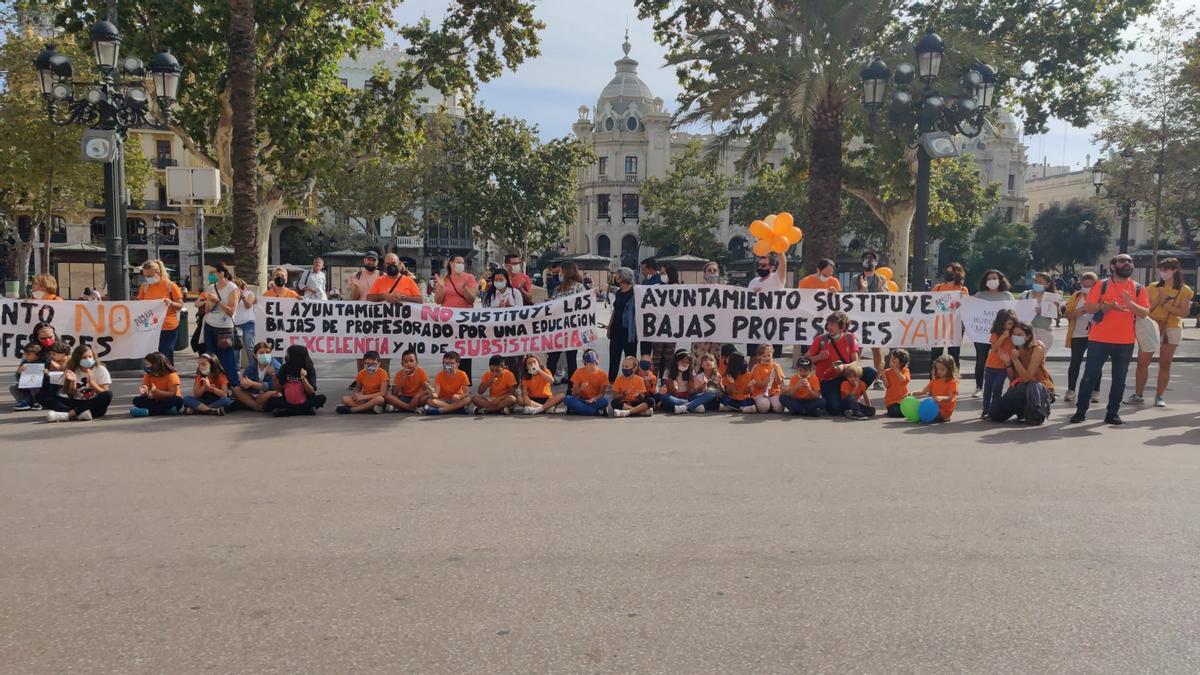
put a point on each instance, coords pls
(393, 286)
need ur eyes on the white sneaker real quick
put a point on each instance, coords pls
(878, 386)
(1070, 397)
(1159, 402)
(471, 409)
(619, 413)
(649, 412)
(729, 408)
(57, 416)
(681, 410)
(86, 415)
(506, 410)
(389, 408)
(1095, 397)
(1134, 398)
(378, 410)
(556, 410)
(978, 393)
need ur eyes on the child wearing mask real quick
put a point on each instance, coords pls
(453, 388)
(159, 393)
(86, 391)
(856, 402)
(803, 396)
(588, 385)
(256, 385)
(677, 383)
(210, 393)
(27, 398)
(370, 388)
(497, 389)
(297, 384)
(895, 380)
(736, 384)
(995, 370)
(535, 395)
(629, 391)
(766, 381)
(410, 389)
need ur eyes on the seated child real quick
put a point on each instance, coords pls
(767, 381)
(210, 393)
(497, 389)
(943, 387)
(736, 384)
(856, 402)
(895, 379)
(629, 392)
(803, 396)
(588, 385)
(535, 395)
(410, 389)
(257, 384)
(370, 388)
(453, 388)
(27, 398)
(159, 393)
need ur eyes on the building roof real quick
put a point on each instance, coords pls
(680, 258)
(79, 246)
(625, 87)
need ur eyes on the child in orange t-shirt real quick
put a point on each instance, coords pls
(210, 394)
(995, 370)
(497, 388)
(803, 395)
(766, 381)
(856, 402)
(588, 385)
(736, 383)
(160, 392)
(629, 392)
(453, 388)
(535, 395)
(727, 350)
(370, 388)
(410, 389)
(895, 381)
(943, 388)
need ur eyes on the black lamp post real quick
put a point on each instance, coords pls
(929, 118)
(1123, 197)
(115, 101)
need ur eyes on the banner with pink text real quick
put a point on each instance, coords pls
(350, 329)
(114, 330)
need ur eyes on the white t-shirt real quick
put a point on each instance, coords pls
(217, 318)
(509, 297)
(242, 314)
(83, 385)
(312, 285)
(770, 283)
(1083, 322)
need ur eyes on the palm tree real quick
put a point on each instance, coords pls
(773, 70)
(243, 66)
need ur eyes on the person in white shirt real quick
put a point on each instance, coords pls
(772, 276)
(86, 391)
(312, 282)
(243, 318)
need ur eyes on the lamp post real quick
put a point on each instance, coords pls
(929, 118)
(1160, 171)
(1099, 180)
(109, 104)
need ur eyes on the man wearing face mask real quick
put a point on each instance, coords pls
(393, 286)
(365, 278)
(278, 286)
(1115, 303)
(770, 275)
(825, 278)
(517, 277)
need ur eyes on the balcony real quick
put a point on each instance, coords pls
(449, 242)
(631, 178)
(408, 242)
(153, 205)
(164, 162)
(297, 213)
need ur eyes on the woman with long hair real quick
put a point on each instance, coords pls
(1170, 300)
(220, 302)
(457, 289)
(954, 278)
(993, 287)
(1079, 322)
(156, 285)
(571, 282)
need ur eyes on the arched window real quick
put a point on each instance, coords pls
(603, 246)
(629, 251)
(737, 248)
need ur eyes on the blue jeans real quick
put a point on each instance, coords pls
(703, 400)
(166, 343)
(227, 357)
(578, 406)
(802, 406)
(668, 402)
(209, 400)
(993, 386)
(742, 403)
(831, 390)
(248, 341)
(1093, 369)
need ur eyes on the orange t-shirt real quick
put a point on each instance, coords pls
(281, 292)
(160, 291)
(649, 380)
(538, 385)
(855, 391)
(1117, 326)
(588, 385)
(372, 384)
(505, 382)
(762, 371)
(813, 391)
(1005, 347)
(945, 388)
(722, 368)
(897, 386)
(411, 385)
(168, 382)
(451, 385)
(945, 287)
(218, 381)
(626, 388)
(404, 286)
(738, 389)
(813, 281)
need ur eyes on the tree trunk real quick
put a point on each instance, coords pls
(249, 243)
(899, 229)
(825, 180)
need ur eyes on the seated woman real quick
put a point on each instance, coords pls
(159, 393)
(1026, 366)
(297, 385)
(86, 391)
(210, 393)
(257, 384)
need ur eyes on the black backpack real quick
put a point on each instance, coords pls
(1037, 403)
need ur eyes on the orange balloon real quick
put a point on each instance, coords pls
(892, 286)
(783, 221)
(760, 230)
(885, 272)
(762, 247)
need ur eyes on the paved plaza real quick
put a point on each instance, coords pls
(687, 544)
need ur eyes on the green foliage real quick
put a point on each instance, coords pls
(1066, 236)
(684, 208)
(773, 191)
(1003, 246)
(299, 245)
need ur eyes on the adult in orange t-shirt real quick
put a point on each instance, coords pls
(394, 286)
(410, 389)
(45, 288)
(497, 388)
(159, 393)
(823, 280)
(156, 286)
(278, 286)
(1112, 336)
(588, 385)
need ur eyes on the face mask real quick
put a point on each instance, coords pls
(993, 284)
(145, 369)
(279, 281)
(589, 358)
(212, 277)
(948, 276)
(823, 277)
(46, 342)
(685, 367)
(1018, 340)
(372, 368)
(448, 367)
(764, 272)
(712, 278)
(1124, 271)
(204, 370)
(459, 268)
(1038, 288)
(263, 359)
(1086, 287)
(627, 371)
(150, 281)
(370, 267)
(500, 285)
(515, 269)
(644, 365)
(392, 270)
(1166, 275)
(87, 363)
(533, 370)
(39, 294)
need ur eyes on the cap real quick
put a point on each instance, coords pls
(804, 362)
(371, 254)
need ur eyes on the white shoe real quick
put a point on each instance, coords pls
(618, 413)
(729, 408)
(878, 386)
(1159, 402)
(681, 410)
(471, 409)
(86, 415)
(507, 410)
(378, 410)
(1070, 397)
(389, 408)
(556, 410)
(57, 416)
(1095, 397)
(978, 393)
(1134, 398)
(649, 412)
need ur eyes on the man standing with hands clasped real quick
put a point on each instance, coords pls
(1115, 302)
(392, 286)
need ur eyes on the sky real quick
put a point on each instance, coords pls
(583, 39)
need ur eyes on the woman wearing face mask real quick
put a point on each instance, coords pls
(1079, 321)
(953, 278)
(1043, 321)
(571, 282)
(220, 303)
(457, 289)
(993, 287)
(500, 292)
(277, 288)
(622, 331)
(156, 286)
(712, 277)
(1026, 365)
(831, 354)
(243, 318)
(1170, 300)
(45, 288)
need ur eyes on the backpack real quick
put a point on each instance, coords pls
(1037, 403)
(293, 392)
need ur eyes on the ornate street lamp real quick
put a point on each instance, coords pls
(930, 118)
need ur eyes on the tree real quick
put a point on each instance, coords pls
(518, 191)
(776, 190)
(243, 148)
(684, 208)
(1065, 236)
(300, 106)
(1003, 246)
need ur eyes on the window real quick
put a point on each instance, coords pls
(602, 206)
(631, 165)
(609, 124)
(97, 227)
(1008, 215)
(631, 123)
(603, 166)
(58, 230)
(162, 149)
(629, 207)
(603, 246)
(1027, 215)
(734, 204)
(1012, 182)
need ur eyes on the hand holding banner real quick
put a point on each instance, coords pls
(115, 330)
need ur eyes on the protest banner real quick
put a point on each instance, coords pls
(978, 315)
(349, 329)
(711, 313)
(114, 330)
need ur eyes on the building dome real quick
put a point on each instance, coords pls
(625, 91)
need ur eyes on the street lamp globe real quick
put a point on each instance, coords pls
(43, 63)
(986, 89)
(874, 82)
(106, 41)
(929, 56)
(165, 70)
(1098, 174)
